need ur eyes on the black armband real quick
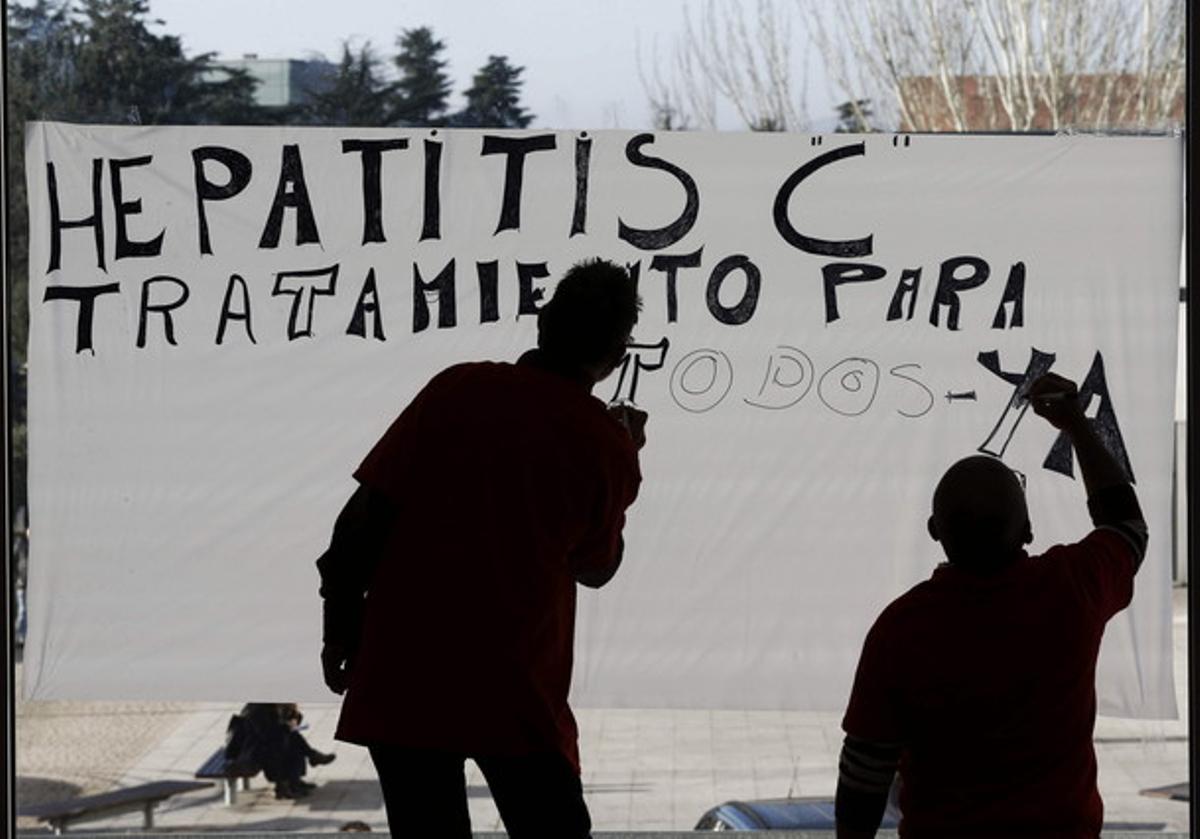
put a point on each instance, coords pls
(1116, 508)
(1113, 505)
(866, 770)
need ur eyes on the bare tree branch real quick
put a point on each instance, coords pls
(1011, 65)
(732, 56)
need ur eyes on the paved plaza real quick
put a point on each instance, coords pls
(642, 769)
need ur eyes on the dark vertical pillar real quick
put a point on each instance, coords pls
(1193, 567)
(8, 740)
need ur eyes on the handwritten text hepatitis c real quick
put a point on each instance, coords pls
(221, 174)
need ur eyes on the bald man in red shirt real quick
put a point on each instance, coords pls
(978, 685)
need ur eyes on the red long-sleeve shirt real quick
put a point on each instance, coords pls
(505, 481)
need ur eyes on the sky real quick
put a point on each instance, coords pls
(580, 56)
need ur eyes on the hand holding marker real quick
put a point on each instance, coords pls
(631, 417)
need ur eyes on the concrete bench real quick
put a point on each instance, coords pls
(145, 797)
(220, 767)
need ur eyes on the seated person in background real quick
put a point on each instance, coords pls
(270, 736)
(979, 683)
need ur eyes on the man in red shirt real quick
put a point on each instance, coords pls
(449, 584)
(979, 683)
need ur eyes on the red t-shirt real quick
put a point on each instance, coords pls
(506, 479)
(988, 683)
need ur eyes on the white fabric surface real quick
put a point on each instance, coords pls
(181, 492)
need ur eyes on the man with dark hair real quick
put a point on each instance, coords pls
(979, 684)
(449, 584)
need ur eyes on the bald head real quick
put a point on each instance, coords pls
(979, 513)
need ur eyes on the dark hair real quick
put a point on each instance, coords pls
(591, 315)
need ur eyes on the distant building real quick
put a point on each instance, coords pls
(1099, 102)
(283, 82)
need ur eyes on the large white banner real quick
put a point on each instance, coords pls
(223, 320)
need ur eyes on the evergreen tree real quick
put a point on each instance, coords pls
(99, 62)
(493, 99)
(423, 87)
(126, 73)
(356, 95)
(41, 63)
(40, 69)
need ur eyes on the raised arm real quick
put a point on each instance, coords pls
(346, 569)
(1112, 501)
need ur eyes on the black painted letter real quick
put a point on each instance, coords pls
(291, 192)
(372, 186)
(122, 208)
(662, 237)
(304, 292)
(949, 286)
(442, 287)
(239, 169)
(228, 314)
(515, 149)
(489, 301)
(670, 265)
(368, 304)
(910, 282)
(839, 273)
(583, 158)
(163, 309)
(638, 357)
(1014, 294)
(1014, 410)
(844, 248)
(85, 296)
(58, 224)
(1094, 386)
(744, 310)
(431, 226)
(527, 273)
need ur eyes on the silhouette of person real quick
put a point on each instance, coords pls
(449, 583)
(979, 683)
(268, 733)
